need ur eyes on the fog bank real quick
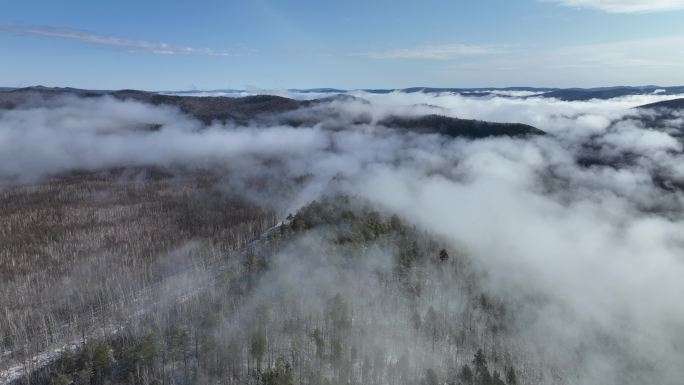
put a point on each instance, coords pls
(581, 230)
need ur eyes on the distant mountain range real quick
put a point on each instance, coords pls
(481, 90)
(271, 109)
(207, 109)
(566, 94)
(581, 94)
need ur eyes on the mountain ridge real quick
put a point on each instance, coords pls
(272, 109)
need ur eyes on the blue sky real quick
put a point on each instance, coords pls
(171, 45)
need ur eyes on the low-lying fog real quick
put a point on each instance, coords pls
(588, 219)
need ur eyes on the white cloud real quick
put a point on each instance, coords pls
(159, 48)
(624, 6)
(637, 61)
(650, 60)
(432, 52)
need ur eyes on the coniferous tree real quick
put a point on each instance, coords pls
(443, 255)
(281, 374)
(102, 362)
(466, 376)
(482, 375)
(319, 342)
(258, 347)
(511, 377)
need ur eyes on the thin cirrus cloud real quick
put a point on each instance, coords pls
(143, 46)
(432, 52)
(624, 6)
(647, 60)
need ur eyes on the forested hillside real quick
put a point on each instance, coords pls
(86, 253)
(339, 294)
